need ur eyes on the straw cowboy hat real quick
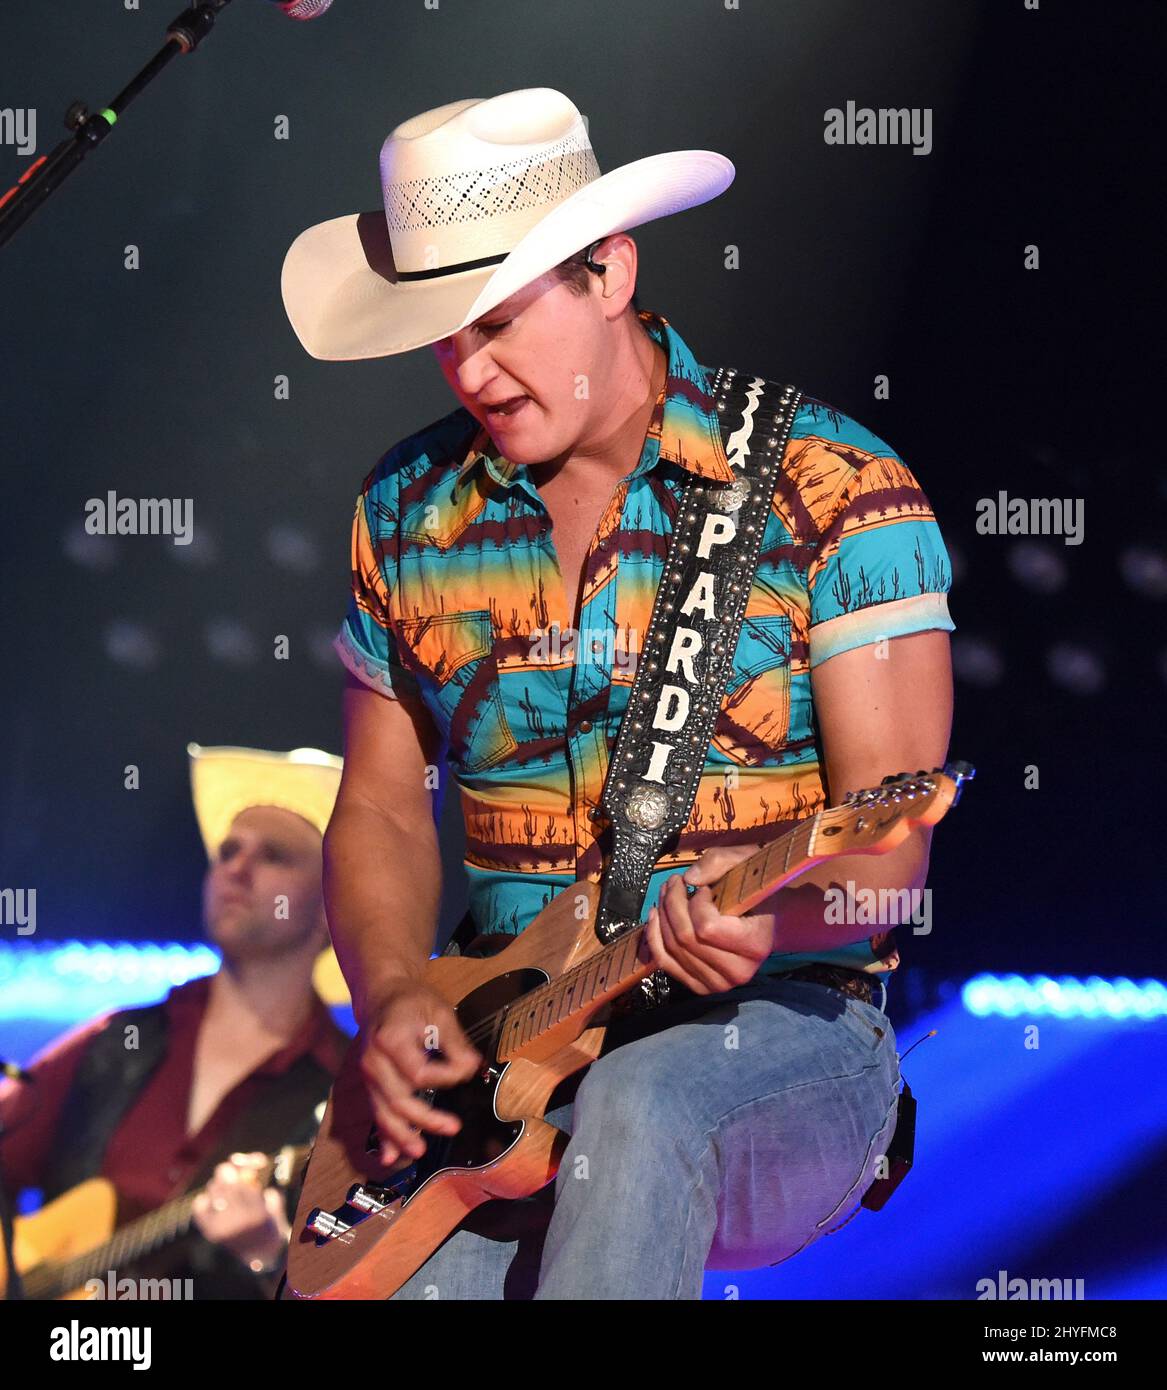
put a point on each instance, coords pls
(480, 198)
(225, 781)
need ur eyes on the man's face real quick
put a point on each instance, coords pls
(541, 343)
(270, 855)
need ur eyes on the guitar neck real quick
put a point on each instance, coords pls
(618, 967)
(142, 1236)
(148, 1233)
(774, 865)
(871, 821)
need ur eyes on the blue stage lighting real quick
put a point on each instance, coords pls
(1042, 997)
(71, 980)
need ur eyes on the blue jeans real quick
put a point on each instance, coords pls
(724, 1132)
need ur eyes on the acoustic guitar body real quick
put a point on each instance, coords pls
(74, 1223)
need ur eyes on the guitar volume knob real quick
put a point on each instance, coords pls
(324, 1223)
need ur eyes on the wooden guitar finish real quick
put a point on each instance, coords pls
(537, 1012)
(74, 1238)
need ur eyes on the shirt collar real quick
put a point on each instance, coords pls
(318, 1035)
(684, 428)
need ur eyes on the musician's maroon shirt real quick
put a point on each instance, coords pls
(150, 1157)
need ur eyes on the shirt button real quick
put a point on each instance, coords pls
(174, 1172)
(585, 726)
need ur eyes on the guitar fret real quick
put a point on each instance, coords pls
(591, 977)
(628, 953)
(567, 1000)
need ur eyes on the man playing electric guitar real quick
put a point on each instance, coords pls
(505, 565)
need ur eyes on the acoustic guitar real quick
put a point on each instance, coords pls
(73, 1240)
(537, 1011)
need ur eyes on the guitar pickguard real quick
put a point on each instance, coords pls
(483, 1138)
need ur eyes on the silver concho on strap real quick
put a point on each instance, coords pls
(732, 497)
(646, 807)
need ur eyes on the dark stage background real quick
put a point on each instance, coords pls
(855, 261)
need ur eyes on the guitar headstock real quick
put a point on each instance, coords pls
(877, 818)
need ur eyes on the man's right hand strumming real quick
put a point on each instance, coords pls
(413, 1042)
(382, 886)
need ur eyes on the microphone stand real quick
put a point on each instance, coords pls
(44, 175)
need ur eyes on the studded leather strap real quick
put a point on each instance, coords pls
(687, 653)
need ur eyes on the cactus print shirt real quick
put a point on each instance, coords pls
(457, 597)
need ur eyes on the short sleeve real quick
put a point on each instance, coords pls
(881, 569)
(365, 642)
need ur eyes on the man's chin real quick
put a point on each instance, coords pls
(237, 937)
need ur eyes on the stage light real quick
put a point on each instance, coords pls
(1145, 570)
(1075, 668)
(130, 643)
(1041, 996)
(72, 980)
(1037, 566)
(976, 661)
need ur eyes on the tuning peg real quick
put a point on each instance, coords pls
(960, 773)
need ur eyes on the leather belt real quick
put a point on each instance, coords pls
(854, 983)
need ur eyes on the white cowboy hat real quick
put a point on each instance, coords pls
(226, 780)
(480, 198)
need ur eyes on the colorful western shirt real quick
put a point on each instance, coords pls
(457, 597)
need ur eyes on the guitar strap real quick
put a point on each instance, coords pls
(686, 657)
(687, 653)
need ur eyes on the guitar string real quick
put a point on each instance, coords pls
(490, 1027)
(139, 1238)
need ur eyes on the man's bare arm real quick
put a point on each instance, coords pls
(877, 714)
(880, 711)
(382, 866)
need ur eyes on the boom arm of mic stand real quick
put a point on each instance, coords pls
(184, 35)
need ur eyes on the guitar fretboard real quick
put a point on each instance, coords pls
(755, 878)
(615, 969)
(148, 1233)
(138, 1238)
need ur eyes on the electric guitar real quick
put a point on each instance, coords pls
(537, 1010)
(72, 1239)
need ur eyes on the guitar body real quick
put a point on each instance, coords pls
(504, 1149)
(74, 1223)
(537, 1011)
